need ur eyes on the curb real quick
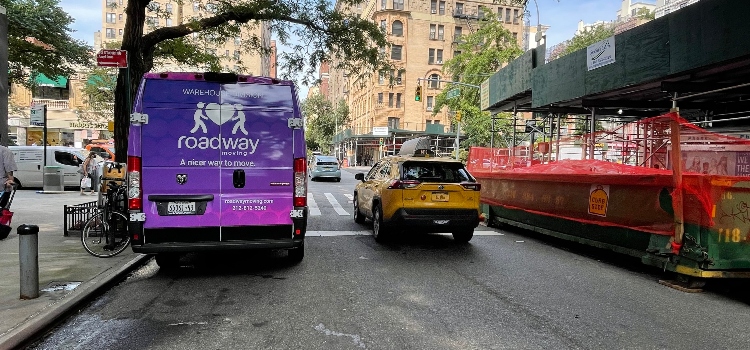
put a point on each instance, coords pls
(52, 313)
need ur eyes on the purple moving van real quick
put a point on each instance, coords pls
(216, 161)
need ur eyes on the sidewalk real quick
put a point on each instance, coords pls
(67, 274)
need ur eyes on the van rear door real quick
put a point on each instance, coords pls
(257, 158)
(181, 156)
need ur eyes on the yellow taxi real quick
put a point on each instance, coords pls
(416, 191)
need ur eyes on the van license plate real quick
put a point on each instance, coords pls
(440, 197)
(181, 208)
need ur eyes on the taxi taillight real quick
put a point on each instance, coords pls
(403, 184)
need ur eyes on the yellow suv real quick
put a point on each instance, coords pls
(416, 191)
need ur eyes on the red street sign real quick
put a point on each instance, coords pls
(112, 58)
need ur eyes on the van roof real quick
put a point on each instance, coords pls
(221, 77)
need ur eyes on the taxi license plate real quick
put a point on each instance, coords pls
(181, 208)
(440, 197)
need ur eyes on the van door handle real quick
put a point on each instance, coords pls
(38, 167)
(238, 178)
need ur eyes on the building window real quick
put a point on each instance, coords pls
(111, 17)
(434, 83)
(441, 32)
(169, 22)
(119, 32)
(507, 15)
(459, 8)
(120, 2)
(433, 6)
(441, 8)
(515, 36)
(439, 56)
(380, 98)
(111, 2)
(397, 28)
(398, 4)
(515, 16)
(390, 100)
(226, 53)
(383, 4)
(430, 100)
(169, 10)
(500, 13)
(153, 7)
(110, 33)
(152, 21)
(396, 52)
(236, 55)
(381, 78)
(398, 100)
(383, 25)
(456, 53)
(431, 56)
(119, 17)
(393, 123)
(398, 78)
(211, 7)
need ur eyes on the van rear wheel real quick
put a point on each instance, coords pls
(295, 255)
(168, 262)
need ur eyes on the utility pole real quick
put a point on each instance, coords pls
(4, 84)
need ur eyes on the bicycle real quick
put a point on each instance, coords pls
(106, 233)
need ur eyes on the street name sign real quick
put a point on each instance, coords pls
(112, 58)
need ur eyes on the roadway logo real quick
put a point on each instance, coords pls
(219, 114)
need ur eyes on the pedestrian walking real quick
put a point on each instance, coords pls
(7, 167)
(87, 169)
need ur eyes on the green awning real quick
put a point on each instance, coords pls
(98, 80)
(59, 81)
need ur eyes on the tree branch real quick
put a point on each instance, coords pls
(165, 33)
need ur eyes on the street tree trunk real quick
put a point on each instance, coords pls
(129, 79)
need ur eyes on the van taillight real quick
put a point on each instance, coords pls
(135, 201)
(300, 182)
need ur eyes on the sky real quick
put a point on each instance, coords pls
(561, 15)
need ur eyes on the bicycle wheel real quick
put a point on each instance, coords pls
(103, 237)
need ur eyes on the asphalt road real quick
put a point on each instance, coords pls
(504, 290)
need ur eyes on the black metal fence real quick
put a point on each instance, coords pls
(76, 216)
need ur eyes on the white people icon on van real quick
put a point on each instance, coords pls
(219, 114)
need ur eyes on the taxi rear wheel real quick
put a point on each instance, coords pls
(358, 217)
(377, 224)
(463, 236)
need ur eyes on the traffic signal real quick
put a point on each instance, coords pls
(458, 116)
(381, 140)
(418, 93)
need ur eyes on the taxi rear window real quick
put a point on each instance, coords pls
(435, 172)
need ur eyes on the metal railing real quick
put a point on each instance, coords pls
(76, 216)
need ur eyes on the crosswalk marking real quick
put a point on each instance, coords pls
(314, 210)
(350, 196)
(336, 206)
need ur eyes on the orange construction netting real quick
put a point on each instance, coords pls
(632, 166)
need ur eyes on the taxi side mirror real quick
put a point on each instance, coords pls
(359, 176)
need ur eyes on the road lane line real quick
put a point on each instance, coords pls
(312, 205)
(350, 196)
(336, 206)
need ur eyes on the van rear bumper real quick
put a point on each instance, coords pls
(181, 247)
